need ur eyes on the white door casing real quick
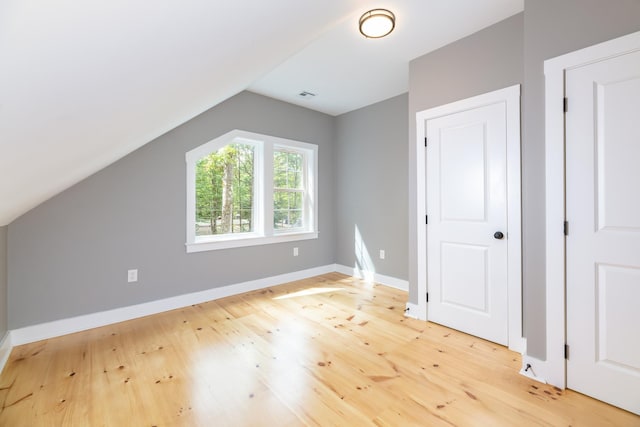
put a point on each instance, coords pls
(602, 130)
(607, 282)
(467, 204)
(504, 103)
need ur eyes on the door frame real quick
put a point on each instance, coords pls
(511, 97)
(554, 368)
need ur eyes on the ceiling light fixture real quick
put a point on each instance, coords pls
(377, 23)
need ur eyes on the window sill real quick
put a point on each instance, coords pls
(248, 240)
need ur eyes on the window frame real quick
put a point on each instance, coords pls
(264, 231)
(306, 202)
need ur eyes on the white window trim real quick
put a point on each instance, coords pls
(309, 196)
(264, 232)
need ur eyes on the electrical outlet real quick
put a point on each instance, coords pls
(132, 276)
(382, 254)
(295, 251)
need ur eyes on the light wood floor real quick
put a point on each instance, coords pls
(327, 351)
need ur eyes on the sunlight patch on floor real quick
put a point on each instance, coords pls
(310, 291)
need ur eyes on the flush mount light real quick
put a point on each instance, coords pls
(377, 23)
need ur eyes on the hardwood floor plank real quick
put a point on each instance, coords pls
(326, 351)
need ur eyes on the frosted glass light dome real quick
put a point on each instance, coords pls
(377, 23)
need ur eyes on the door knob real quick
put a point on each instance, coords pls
(498, 235)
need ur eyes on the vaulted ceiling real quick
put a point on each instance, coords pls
(83, 83)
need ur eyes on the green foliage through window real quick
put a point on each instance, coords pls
(224, 191)
(247, 189)
(288, 190)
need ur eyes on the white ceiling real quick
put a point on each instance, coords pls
(82, 84)
(347, 71)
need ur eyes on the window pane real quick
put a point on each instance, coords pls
(288, 192)
(295, 200)
(287, 169)
(287, 209)
(280, 169)
(224, 191)
(295, 179)
(280, 200)
(295, 218)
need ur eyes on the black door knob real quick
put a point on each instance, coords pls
(498, 235)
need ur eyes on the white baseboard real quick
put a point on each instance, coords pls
(369, 276)
(60, 327)
(5, 349)
(56, 328)
(533, 368)
(411, 310)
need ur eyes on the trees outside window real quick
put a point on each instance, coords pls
(288, 190)
(224, 191)
(248, 189)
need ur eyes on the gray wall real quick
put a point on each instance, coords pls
(514, 51)
(70, 255)
(3, 282)
(370, 163)
(553, 28)
(488, 60)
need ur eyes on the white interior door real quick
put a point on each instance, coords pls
(467, 221)
(603, 244)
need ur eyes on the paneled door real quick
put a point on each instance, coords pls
(466, 174)
(603, 241)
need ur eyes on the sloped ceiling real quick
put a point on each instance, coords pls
(83, 83)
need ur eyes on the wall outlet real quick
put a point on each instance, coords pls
(132, 276)
(295, 251)
(382, 254)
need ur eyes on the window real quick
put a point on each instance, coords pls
(224, 191)
(248, 189)
(288, 190)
